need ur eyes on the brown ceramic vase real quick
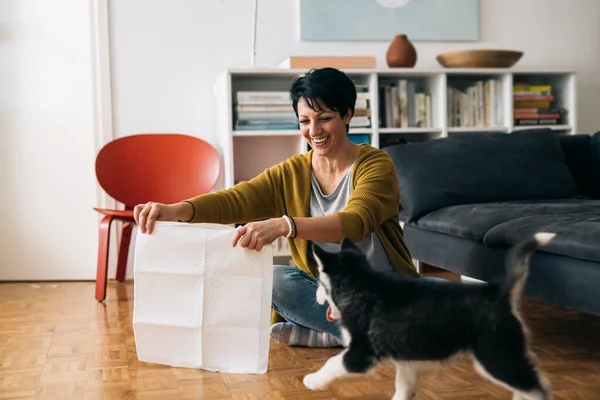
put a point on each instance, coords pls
(401, 53)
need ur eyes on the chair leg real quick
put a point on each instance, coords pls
(124, 250)
(103, 247)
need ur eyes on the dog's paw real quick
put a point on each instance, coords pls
(404, 395)
(314, 381)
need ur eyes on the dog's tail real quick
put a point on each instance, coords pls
(517, 263)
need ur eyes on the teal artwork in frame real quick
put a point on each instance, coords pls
(381, 20)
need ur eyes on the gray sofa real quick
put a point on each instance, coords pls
(465, 199)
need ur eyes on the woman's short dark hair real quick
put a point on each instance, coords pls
(330, 86)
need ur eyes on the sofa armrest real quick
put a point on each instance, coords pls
(594, 163)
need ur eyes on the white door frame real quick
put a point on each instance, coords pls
(103, 107)
(101, 75)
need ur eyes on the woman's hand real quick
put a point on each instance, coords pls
(256, 235)
(146, 215)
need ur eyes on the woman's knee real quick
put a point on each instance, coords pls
(281, 275)
(286, 275)
(290, 283)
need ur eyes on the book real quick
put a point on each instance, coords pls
(328, 61)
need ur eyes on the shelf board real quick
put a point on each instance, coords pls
(277, 71)
(283, 132)
(294, 132)
(360, 131)
(457, 129)
(369, 131)
(410, 130)
(554, 127)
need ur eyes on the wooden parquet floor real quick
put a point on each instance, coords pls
(57, 342)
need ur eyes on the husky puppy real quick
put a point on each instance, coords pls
(411, 321)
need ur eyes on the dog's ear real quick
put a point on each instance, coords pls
(322, 257)
(349, 245)
(310, 248)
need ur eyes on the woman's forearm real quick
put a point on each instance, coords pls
(246, 201)
(319, 229)
(184, 211)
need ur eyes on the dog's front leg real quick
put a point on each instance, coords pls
(407, 378)
(334, 368)
(354, 360)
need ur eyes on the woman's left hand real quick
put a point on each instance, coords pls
(255, 235)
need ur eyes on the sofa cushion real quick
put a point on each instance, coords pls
(479, 168)
(474, 221)
(577, 234)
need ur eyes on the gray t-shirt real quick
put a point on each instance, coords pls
(321, 204)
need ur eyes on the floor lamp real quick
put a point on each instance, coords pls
(255, 17)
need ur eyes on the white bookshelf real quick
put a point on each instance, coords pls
(247, 153)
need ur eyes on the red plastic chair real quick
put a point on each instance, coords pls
(165, 168)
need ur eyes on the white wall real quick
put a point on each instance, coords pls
(166, 54)
(48, 229)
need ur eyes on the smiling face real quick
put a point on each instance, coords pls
(324, 101)
(323, 129)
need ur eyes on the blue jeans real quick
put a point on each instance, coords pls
(295, 299)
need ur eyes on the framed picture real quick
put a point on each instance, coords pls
(381, 20)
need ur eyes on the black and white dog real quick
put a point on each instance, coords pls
(411, 321)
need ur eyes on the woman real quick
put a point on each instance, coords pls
(338, 189)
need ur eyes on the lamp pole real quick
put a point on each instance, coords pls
(255, 16)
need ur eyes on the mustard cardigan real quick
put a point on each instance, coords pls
(285, 189)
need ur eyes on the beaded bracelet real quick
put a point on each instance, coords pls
(289, 222)
(294, 225)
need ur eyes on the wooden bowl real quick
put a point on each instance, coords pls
(479, 58)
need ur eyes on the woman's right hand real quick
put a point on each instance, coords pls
(146, 215)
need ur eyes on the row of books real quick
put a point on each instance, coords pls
(534, 105)
(272, 110)
(362, 108)
(264, 110)
(403, 105)
(476, 105)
